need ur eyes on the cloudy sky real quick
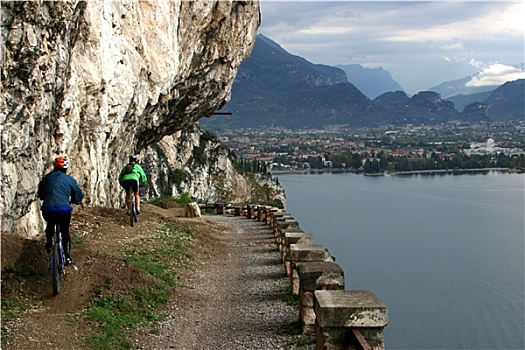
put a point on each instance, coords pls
(421, 44)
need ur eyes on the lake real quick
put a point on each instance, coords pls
(445, 253)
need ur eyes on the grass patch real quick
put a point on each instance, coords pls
(162, 254)
(183, 200)
(292, 300)
(11, 308)
(299, 343)
(158, 201)
(157, 258)
(298, 340)
(77, 240)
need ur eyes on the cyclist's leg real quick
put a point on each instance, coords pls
(128, 198)
(65, 221)
(50, 229)
(128, 185)
(137, 197)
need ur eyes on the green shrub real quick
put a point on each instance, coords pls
(184, 199)
(158, 201)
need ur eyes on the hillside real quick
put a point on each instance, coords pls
(461, 101)
(507, 102)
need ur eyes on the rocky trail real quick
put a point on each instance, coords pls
(234, 293)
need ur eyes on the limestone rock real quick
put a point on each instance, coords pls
(98, 80)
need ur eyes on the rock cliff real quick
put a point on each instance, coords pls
(199, 165)
(98, 80)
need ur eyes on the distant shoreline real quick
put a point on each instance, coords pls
(314, 171)
(398, 173)
(456, 171)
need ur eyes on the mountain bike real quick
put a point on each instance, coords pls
(57, 260)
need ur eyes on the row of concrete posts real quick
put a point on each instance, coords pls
(340, 318)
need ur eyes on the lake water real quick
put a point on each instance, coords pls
(445, 253)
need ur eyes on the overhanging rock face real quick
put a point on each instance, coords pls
(98, 80)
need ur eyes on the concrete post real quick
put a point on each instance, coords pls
(345, 319)
(293, 236)
(270, 217)
(256, 212)
(316, 276)
(277, 216)
(283, 223)
(304, 253)
(261, 213)
(283, 226)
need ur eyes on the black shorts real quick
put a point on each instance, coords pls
(133, 184)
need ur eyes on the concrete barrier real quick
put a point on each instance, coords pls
(341, 319)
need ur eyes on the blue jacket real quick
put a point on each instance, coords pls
(58, 190)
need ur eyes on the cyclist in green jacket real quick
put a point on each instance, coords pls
(131, 176)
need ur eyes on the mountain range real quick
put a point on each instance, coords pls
(276, 88)
(370, 81)
(458, 87)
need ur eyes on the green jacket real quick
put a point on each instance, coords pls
(138, 174)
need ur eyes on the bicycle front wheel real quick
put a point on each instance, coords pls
(57, 269)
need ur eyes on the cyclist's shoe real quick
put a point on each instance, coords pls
(138, 211)
(48, 246)
(68, 261)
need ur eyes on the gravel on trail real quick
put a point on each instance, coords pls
(238, 301)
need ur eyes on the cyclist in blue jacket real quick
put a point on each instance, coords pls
(58, 190)
(129, 178)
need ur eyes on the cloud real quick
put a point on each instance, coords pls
(477, 64)
(421, 43)
(495, 74)
(454, 47)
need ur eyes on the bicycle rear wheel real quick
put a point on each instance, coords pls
(135, 217)
(132, 212)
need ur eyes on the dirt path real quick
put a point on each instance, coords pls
(236, 294)
(238, 301)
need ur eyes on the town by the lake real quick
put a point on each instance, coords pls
(382, 149)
